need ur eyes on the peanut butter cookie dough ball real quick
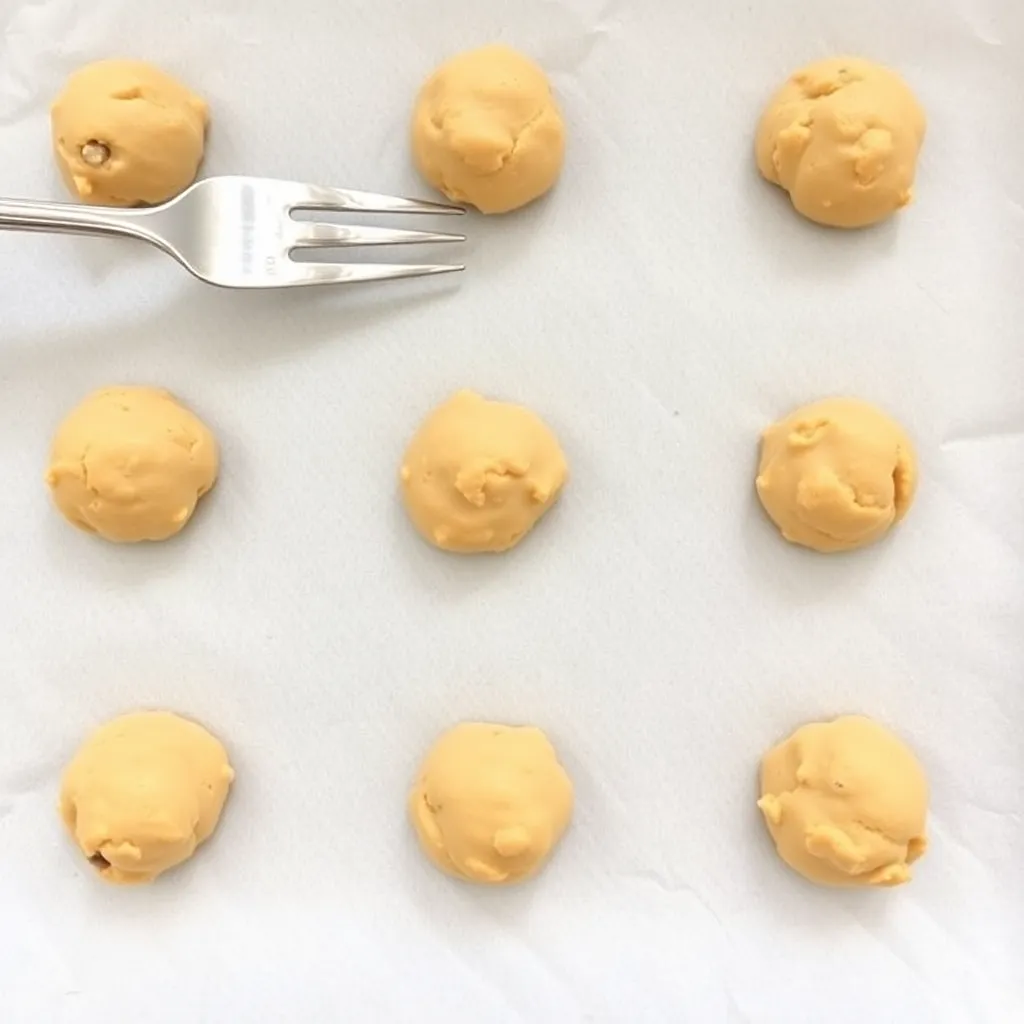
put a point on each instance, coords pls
(142, 793)
(130, 464)
(126, 133)
(836, 475)
(845, 803)
(486, 130)
(479, 474)
(491, 802)
(842, 137)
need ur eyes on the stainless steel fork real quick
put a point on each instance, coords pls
(237, 232)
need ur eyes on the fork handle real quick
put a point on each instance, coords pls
(73, 219)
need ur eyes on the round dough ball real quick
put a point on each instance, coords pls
(836, 474)
(845, 803)
(142, 793)
(130, 463)
(125, 133)
(486, 130)
(479, 474)
(491, 802)
(842, 138)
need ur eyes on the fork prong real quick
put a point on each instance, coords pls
(355, 273)
(312, 236)
(315, 197)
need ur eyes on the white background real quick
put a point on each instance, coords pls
(658, 309)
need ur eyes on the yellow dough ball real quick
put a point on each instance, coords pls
(125, 133)
(491, 802)
(130, 464)
(842, 137)
(486, 130)
(478, 474)
(845, 803)
(142, 793)
(836, 475)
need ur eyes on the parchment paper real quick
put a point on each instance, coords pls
(658, 310)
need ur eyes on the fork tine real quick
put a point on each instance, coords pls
(355, 273)
(314, 197)
(312, 236)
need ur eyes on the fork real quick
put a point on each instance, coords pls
(239, 232)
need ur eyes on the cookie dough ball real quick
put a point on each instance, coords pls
(142, 793)
(479, 474)
(130, 463)
(842, 138)
(125, 133)
(836, 475)
(845, 803)
(491, 802)
(486, 130)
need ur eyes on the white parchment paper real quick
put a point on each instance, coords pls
(658, 309)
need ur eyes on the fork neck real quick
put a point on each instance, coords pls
(74, 219)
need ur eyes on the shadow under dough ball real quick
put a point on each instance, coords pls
(486, 130)
(130, 464)
(478, 474)
(836, 475)
(842, 137)
(845, 803)
(126, 134)
(142, 793)
(491, 802)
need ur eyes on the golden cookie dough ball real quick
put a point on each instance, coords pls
(478, 474)
(130, 464)
(125, 133)
(842, 137)
(486, 130)
(491, 802)
(142, 793)
(836, 474)
(845, 803)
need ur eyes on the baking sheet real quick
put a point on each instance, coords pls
(657, 310)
